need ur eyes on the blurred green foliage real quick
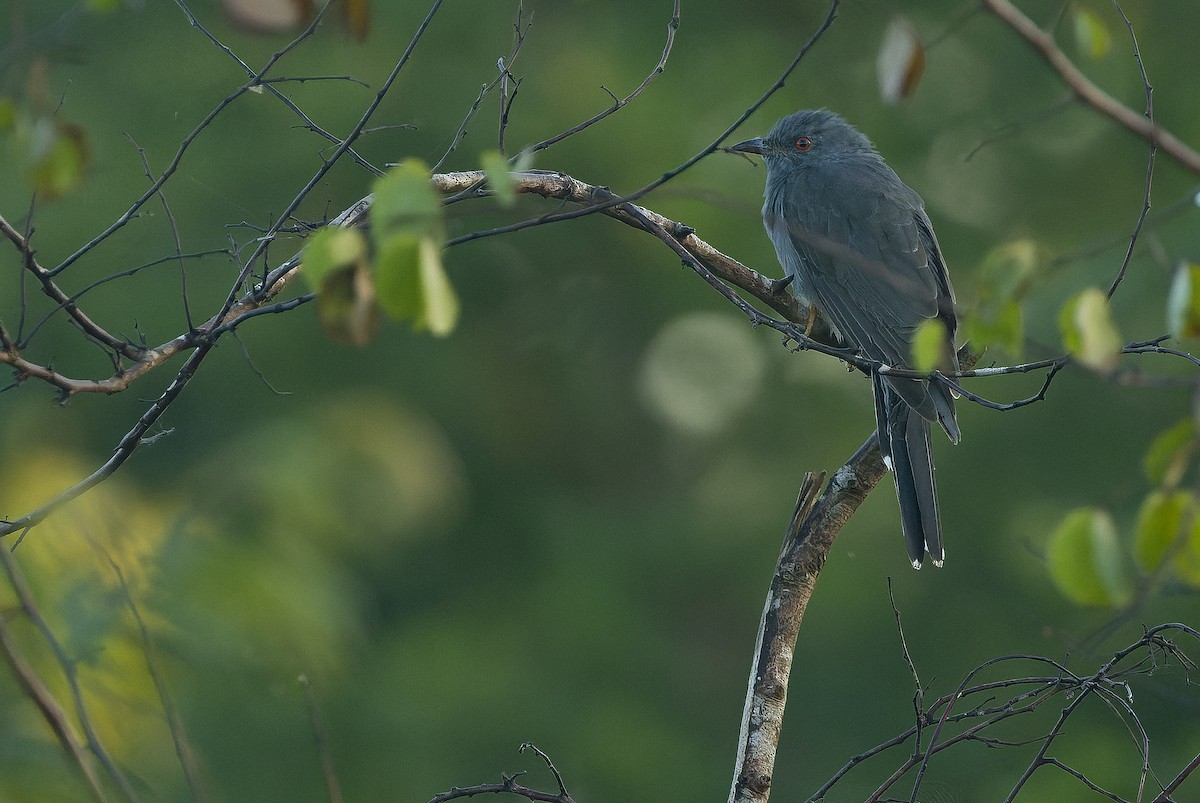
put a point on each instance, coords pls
(558, 523)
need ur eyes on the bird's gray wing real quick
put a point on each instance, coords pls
(863, 253)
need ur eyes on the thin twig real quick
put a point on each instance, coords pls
(162, 197)
(46, 278)
(504, 66)
(231, 298)
(333, 787)
(1184, 774)
(670, 174)
(57, 718)
(123, 274)
(1149, 115)
(268, 83)
(179, 737)
(618, 104)
(29, 606)
(254, 81)
(562, 787)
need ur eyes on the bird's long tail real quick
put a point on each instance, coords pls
(905, 444)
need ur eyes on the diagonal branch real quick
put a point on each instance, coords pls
(815, 524)
(1087, 91)
(30, 608)
(51, 710)
(46, 278)
(620, 103)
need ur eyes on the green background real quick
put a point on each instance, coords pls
(557, 525)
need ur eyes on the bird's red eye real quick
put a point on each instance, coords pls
(804, 144)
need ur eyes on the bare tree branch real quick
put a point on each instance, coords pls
(1108, 684)
(269, 84)
(509, 785)
(713, 147)
(333, 787)
(815, 525)
(46, 279)
(619, 103)
(51, 710)
(179, 736)
(254, 81)
(29, 606)
(1087, 91)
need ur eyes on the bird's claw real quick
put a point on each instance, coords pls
(779, 285)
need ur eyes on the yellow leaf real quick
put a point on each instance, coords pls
(1183, 302)
(1091, 34)
(356, 16)
(1169, 452)
(441, 303)
(1088, 330)
(413, 284)
(1187, 559)
(930, 345)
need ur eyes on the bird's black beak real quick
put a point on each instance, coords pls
(755, 145)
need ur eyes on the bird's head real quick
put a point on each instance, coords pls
(807, 136)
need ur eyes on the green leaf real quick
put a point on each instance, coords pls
(60, 157)
(330, 249)
(1091, 34)
(1187, 559)
(413, 284)
(1159, 524)
(404, 202)
(346, 305)
(495, 166)
(398, 276)
(929, 345)
(1084, 559)
(1167, 456)
(1088, 330)
(8, 114)
(1005, 275)
(1183, 302)
(1008, 269)
(408, 230)
(1002, 325)
(441, 302)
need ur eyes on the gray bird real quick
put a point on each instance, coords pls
(857, 247)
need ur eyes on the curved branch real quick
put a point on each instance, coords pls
(46, 278)
(1088, 92)
(615, 200)
(715, 267)
(51, 710)
(619, 103)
